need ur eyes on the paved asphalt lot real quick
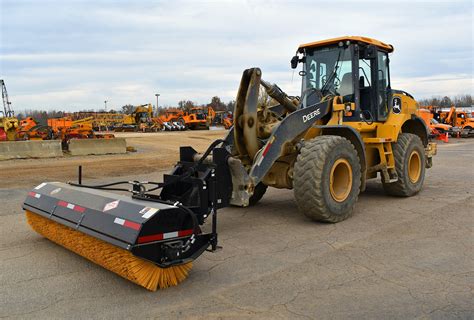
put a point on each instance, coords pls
(396, 258)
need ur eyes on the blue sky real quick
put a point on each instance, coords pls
(76, 54)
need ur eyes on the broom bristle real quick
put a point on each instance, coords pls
(120, 261)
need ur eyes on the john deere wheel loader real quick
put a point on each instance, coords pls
(347, 126)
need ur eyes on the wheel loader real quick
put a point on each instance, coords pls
(347, 126)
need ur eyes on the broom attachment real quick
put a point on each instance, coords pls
(150, 239)
(117, 260)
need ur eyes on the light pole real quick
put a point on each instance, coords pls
(105, 104)
(157, 95)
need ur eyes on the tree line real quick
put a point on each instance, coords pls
(460, 101)
(41, 116)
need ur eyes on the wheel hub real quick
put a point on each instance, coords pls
(414, 167)
(340, 183)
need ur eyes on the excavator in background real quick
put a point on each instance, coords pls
(210, 114)
(347, 126)
(8, 122)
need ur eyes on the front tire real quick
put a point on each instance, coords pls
(409, 155)
(327, 178)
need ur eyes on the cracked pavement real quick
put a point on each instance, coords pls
(395, 258)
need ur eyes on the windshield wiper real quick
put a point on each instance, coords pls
(333, 74)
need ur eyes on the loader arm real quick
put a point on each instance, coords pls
(253, 160)
(290, 128)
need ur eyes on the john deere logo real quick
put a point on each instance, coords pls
(311, 115)
(397, 105)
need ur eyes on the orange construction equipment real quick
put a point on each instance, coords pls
(30, 130)
(228, 121)
(27, 124)
(210, 114)
(66, 129)
(458, 119)
(199, 118)
(194, 119)
(171, 115)
(223, 118)
(436, 128)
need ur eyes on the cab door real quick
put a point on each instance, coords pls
(373, 84)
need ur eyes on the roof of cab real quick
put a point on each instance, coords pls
(326, 42)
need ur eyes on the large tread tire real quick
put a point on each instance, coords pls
(311, 179)
(402, 150)
(258, 193)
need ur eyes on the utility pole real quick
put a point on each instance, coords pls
(157, 95)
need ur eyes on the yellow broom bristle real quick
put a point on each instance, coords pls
(120, 261)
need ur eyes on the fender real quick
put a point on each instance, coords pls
(417, 126)
(355, 138)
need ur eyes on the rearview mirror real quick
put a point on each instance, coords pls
(294, 62)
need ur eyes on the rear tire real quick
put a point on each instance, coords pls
(327, 178)
(409, 155)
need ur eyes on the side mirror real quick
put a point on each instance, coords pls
(294, 62)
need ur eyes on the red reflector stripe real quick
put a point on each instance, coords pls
(131, 225)
(161, 236)
(62, 203)
(153, 237)
(266, 149)
(185, 233)
(79, 209)
(71, 206)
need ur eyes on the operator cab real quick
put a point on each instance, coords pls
(200, 115)
(355, 68)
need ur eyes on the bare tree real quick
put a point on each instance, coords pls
(127, 109)
(462, 101)
(186, 105)
(217, 104)
(230, 105)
